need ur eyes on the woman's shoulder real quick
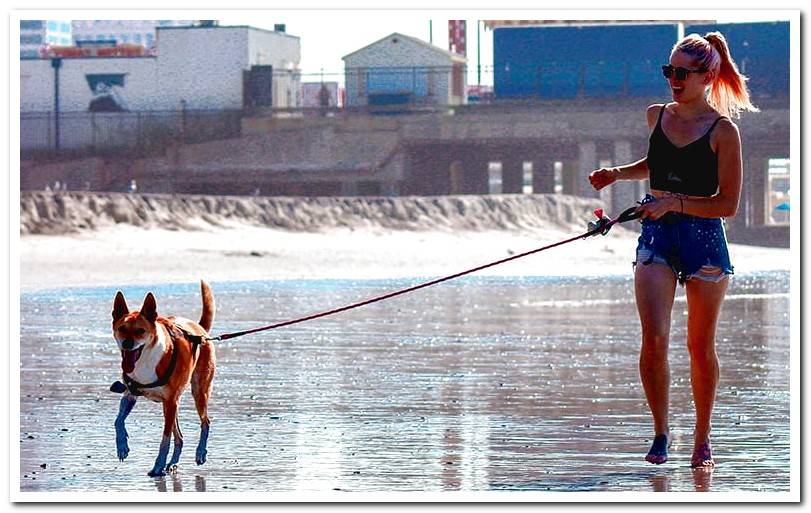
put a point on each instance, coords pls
(653, 113)
(726, 130)
(725, 133)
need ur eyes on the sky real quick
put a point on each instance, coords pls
(327, 36)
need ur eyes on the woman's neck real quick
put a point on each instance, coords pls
(692, 109)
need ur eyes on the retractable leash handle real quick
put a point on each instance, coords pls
(604, 223)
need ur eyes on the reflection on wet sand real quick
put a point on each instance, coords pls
(702, 478)
(481, 384)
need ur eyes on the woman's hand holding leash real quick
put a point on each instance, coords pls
(655, 209)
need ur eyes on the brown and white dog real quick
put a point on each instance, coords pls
(160, 356)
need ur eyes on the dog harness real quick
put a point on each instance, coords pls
(135, 388)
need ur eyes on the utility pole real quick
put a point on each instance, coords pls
(56, 63)
(478, 54)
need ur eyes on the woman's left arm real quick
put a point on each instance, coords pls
(730, 176)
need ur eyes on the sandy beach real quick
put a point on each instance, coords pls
(76, 239)
(128, 255)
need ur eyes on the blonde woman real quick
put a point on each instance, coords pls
(694, 166)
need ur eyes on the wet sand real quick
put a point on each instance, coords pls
(492, 384)
(520, 378)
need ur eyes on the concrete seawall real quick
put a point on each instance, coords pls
(73, 212)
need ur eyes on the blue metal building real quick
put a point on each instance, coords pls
(574, 61)
(610, 61)
(761, 51)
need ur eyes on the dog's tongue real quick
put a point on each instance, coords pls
(128, 359)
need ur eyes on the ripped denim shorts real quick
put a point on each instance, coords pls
(693, 247)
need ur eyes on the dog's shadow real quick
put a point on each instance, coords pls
(177, 484)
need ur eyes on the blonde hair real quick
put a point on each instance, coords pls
(728, 92)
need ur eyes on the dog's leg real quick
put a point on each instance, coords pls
(169, 419)
(124, 408)
(178, 436)
(201, 390)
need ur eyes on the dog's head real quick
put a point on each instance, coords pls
(133, 331)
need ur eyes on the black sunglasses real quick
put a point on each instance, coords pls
(681, 73)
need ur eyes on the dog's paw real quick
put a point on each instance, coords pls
(123, 451)
(156, 473)
(201, 456)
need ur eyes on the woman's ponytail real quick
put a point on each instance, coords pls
(728, 92)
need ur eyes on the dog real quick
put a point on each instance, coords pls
(160, 356)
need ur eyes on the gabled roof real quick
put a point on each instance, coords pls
(437, 49)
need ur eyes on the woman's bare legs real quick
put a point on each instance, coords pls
(655, 288)
(704, 300)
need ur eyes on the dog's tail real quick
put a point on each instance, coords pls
(207, 317)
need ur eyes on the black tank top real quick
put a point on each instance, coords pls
(690, 169)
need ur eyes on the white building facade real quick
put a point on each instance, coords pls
(194, 68)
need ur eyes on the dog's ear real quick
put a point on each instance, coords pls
(119, 306)
(150, 308)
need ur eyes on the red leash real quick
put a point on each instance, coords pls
(602, 226)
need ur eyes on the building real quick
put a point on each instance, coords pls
(401, 70)
(540, 61)
(109, 97)
(140, 32)
(34, 34)
(196, 67)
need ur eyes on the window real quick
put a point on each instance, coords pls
(137, 38)
(778, 204)
(31, 24)
(65, 27)
(150, 39)
(30, 39)
(494, 177)
(52, 26)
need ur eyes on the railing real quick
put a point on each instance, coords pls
(366, 91)
(137, 133)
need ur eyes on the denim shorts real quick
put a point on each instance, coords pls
(693, 247)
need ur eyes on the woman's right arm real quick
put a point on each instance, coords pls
(608, 175)
(635, 171)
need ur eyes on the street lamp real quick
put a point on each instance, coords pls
(56, 63)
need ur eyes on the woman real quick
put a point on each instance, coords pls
(694, 165)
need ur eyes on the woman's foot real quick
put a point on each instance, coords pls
(658, 450)
(702, 456)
